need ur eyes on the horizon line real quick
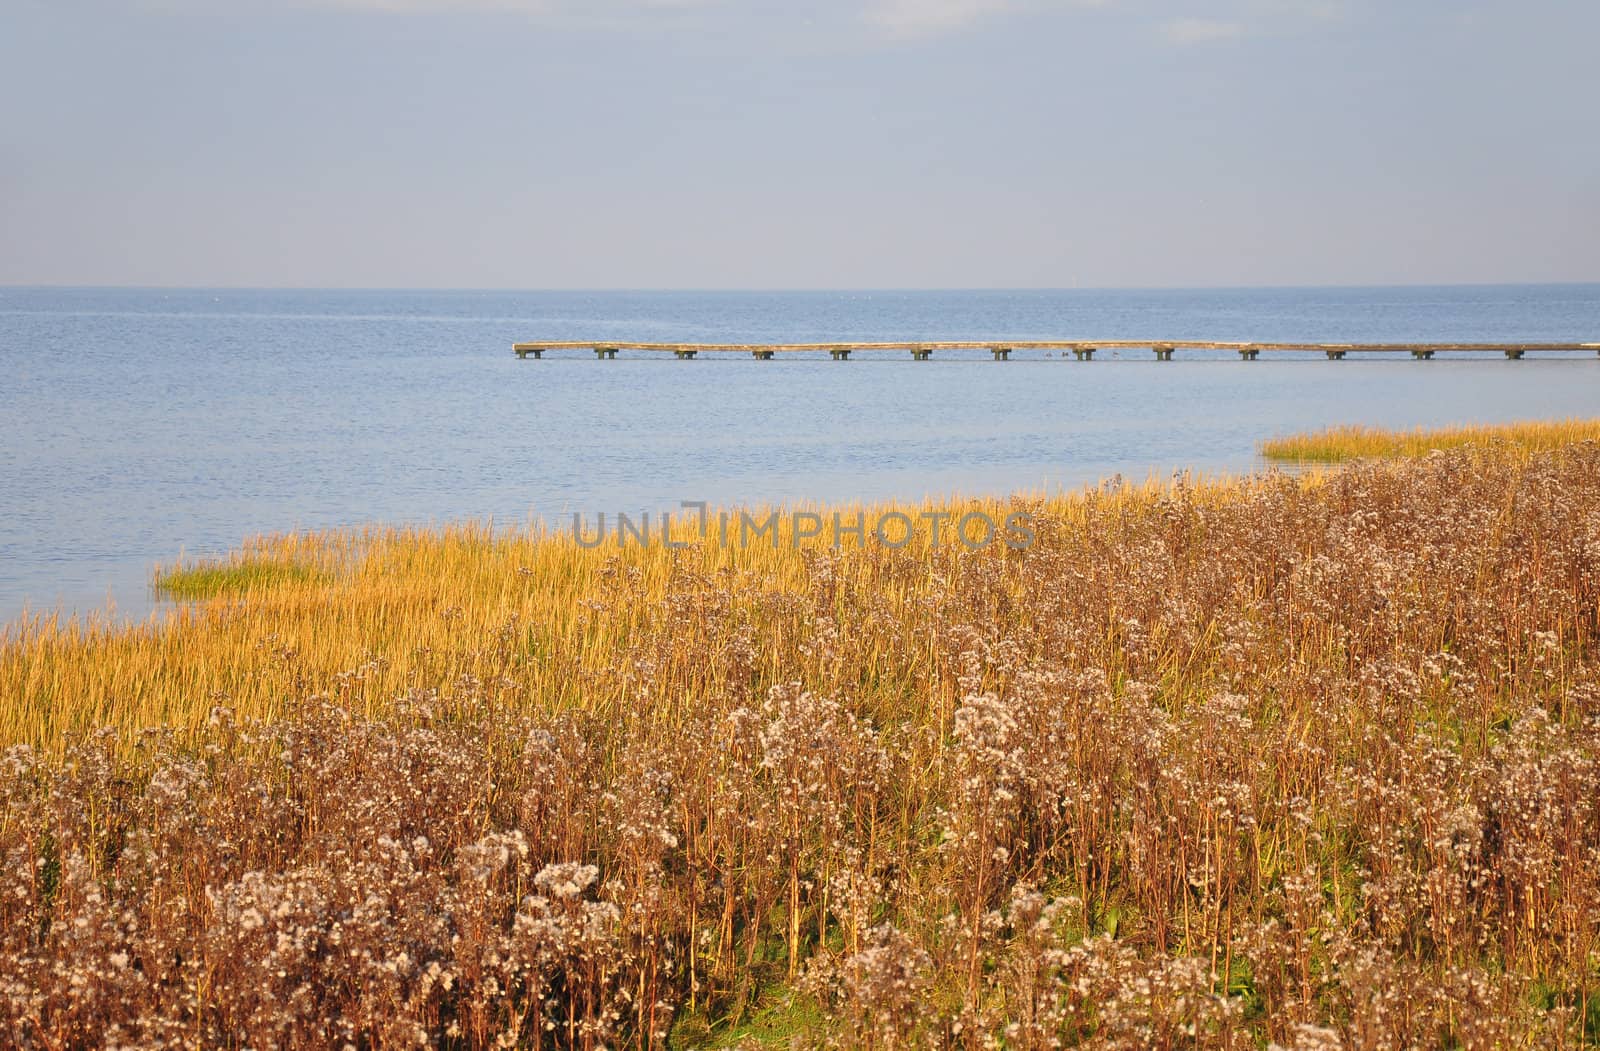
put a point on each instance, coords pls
(769, 290)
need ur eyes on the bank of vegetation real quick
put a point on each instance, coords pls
(1303, 761)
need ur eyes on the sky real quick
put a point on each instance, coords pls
(784, 144)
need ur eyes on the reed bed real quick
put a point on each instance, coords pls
(1340, 444)
(1304, 762)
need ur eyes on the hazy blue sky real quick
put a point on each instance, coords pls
(779, 143)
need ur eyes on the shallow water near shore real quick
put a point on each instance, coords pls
(142, 424)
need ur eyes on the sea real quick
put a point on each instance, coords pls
(141, 426)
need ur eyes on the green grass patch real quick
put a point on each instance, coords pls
(208, 580)
(780, 1018)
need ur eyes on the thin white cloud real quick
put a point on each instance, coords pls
(408, 7)
(1216, 20)
(1201, 30)
(917, 18)
(1232, 19)
(925, 17)
(1317, 10)
(535, 8)
(884, 18)
(400, 7)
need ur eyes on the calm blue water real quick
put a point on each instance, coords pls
(143, 424)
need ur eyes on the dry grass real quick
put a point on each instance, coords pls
(1339, 444)
(1312, 762)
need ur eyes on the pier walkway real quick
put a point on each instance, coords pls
(1083, 350)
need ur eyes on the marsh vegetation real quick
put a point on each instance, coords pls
(1305, 761)
(1340, 444)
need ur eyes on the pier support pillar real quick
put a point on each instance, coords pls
(523, 352)
(605, 352)
(1163, 352)
(920, 353)
(684, 355)
(1001, 353)
(1335, 355)
(1514, 355)
(840, 353)
(762, 355)
(1249, 353)
(1083, 353)
(1422, 355)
